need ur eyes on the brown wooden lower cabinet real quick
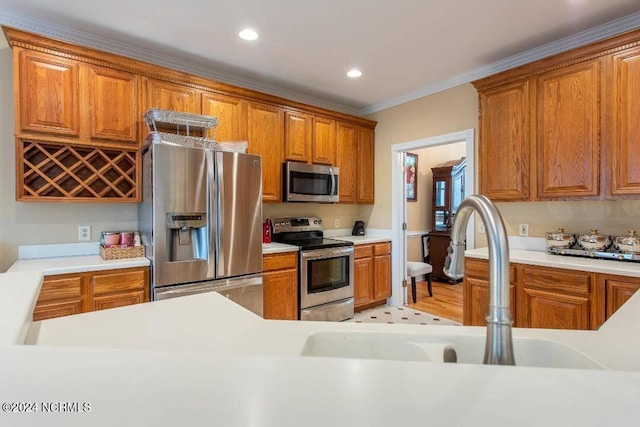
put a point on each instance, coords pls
(65, 294)
(546, 297)
(280, 286)
(475, 292)
(372, 274)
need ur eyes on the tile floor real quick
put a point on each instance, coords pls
(389, 314)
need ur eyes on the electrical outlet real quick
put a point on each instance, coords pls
(336, 223)
(481, 228)
(84, 232)
(523, 230)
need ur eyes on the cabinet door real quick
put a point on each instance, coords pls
(266, 129)
(48, 94)
(555, 298)
(625, 132)
(116, 288)
(363, 277)
(120, 299)
(568, 130)
(231, 114)
(504, 142)
(324, 141)
(280, 294)
(60, 295)
(171, 96)
(113, 111)
(475, 293)
(382, 282)
(346, 161)
(365, 166)
(618, 289)
(298, 133)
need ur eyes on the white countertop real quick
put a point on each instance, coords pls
(75, 264)
(275, 248)
(203, 360)
(544, 259)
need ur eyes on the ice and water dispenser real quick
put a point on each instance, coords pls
(187, 236)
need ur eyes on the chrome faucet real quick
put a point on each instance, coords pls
(499, 346)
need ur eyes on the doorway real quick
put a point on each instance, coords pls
(398, 205)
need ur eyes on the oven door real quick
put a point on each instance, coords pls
(326, 275)
(310, 183)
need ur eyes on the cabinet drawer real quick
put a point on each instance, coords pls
(126, 280)
(480, 269)
(382, 248)
(60, 288)
(557, 280)
(271, 262)
(363, 251)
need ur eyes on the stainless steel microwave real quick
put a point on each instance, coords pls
(303, 182)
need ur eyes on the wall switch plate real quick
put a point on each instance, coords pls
(523, 230)
(336, 223)
(84, 233)
(481, 227)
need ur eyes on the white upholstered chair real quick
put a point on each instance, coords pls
(415, 269)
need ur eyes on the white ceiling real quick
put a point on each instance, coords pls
(405, 48)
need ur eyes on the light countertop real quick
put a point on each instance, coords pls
(211, 362)
(520, 256)
(75, 264)
(275, 248)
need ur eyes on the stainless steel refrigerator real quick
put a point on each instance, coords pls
(201, 222)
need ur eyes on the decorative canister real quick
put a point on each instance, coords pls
(110, 238)
(126, 238)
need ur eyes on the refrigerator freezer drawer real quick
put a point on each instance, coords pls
(245, 291)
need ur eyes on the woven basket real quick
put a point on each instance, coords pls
(119, 253)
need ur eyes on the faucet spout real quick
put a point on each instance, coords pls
(499, 344)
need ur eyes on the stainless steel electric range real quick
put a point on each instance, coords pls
(325, 274)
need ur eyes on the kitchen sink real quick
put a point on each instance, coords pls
(430, 348)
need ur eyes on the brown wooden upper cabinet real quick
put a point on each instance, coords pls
(231, 113)
(568, 131)
(365, 166)
(564, 127)
(324, 141)
(504, 142)
(49, 94)
(113, 111)
(625, 126)
(346, 161)
(298, 129)
(266, 138)
(66, 100)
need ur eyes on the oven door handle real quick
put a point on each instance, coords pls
(326, 253)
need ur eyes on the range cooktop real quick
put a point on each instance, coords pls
(608, 254)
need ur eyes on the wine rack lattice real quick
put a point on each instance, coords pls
(51, 170)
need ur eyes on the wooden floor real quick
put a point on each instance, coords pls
(446, 300)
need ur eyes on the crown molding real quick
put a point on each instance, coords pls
(69, 35)
(591, 35)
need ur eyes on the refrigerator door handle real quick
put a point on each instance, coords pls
(211, 222)
(220, 255)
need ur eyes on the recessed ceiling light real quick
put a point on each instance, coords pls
(248, 34)
(354, 73)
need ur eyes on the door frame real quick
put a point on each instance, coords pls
(398, 202)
